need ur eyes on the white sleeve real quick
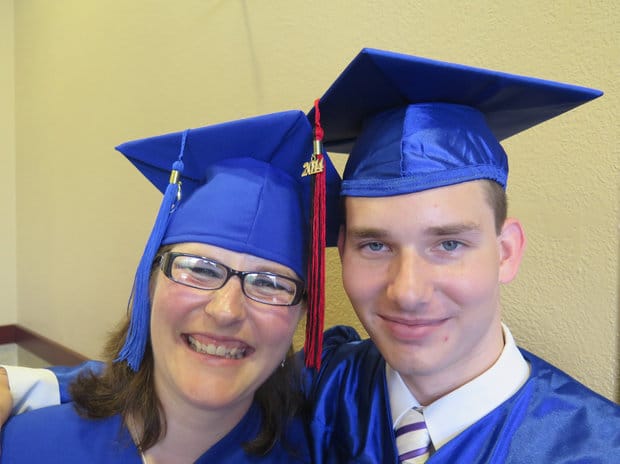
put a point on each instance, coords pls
(32, 388)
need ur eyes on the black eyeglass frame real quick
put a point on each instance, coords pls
(165, 260)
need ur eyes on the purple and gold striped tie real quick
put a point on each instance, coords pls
(412, 439)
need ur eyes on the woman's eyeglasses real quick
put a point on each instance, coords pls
(206, 274)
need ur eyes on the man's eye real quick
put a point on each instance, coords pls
(450, 245)
(375, 246)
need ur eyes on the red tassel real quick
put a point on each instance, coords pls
(316, 260)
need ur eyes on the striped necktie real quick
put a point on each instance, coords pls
(412, 439)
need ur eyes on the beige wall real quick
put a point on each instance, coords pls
(8, 223)
(91, 74)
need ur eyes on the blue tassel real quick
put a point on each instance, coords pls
(138, 333)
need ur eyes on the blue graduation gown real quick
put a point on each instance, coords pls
(57, 435)
(551, 419)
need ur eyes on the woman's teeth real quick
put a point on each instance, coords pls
(217, 350)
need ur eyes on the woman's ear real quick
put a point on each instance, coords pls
(511, 243)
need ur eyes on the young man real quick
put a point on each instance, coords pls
(425, 246)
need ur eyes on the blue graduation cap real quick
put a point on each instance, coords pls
(413, 124)
(236, 185)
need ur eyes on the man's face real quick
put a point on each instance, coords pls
(423, 271)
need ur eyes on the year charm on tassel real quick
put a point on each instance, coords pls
(314, 166)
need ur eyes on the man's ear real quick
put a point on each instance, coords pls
(511, 243)
(341, 239)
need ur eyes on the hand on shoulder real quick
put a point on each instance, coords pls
(6, 401)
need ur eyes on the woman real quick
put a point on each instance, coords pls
(201, 369)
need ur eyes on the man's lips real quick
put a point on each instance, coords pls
(412, 322)
(410, 329)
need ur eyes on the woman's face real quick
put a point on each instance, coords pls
(214, 348)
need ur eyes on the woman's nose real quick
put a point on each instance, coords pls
(227, 304)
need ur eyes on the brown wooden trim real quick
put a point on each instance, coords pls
(7, 334)
(43, 347)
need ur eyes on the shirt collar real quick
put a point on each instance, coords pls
(450, 415)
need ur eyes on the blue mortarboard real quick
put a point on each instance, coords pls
(236, 185)
(413, 124)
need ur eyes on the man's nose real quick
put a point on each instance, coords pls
(410, 284)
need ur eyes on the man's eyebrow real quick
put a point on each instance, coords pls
(452, 229)
(435, 231)
(367, 232)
